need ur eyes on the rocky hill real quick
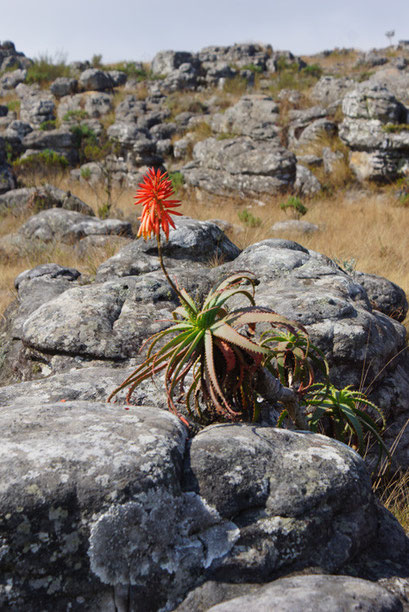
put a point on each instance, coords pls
(119, 507)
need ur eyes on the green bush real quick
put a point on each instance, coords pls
(313, 70)
(46, 126)
(14, 105)
(133, 70)
(252, 68)
(249, 219)
(295, 206)
(75, 115)
(177, 179)
(83, 135)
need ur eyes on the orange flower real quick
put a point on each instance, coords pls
(154, 194)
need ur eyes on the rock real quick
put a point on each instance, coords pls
(85, 105)
(94, 79)
(17, 130)
(118, 77)
(395, 80)
(252, 475)
(64, 86)
(91, 383)
(254, 115)
(71, 495)
(101, 321)
(294, 225)
(166, 62)
(378, 153)
(94, 244)
(98, 104)
(371, 101)
(39, 198)
(130, 109)
(98, 487)
(184, 78)
(70, 226)
(384, 295)
(316, 593)
(240, 165)
(330, 159)
(60, 140)
(10, 80)
(330, 90)
(305, 181)
(37, 108)
(357, 341)
(193, 241)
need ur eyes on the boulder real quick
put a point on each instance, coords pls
(36, 108)
(383, 295)
(371, 128)
(64, 86)
(84, 105)
(240, 165)
(118, 77)
(329, 90)
(294, 225)
(60, 140)
(183, 78)
(360, 343)
(254, 115)
(192, 241)
(130, 109)
(310, 593)
(39, 198)
(89, 490)
(306, 184)
(10, 80)
(166, 62)
(70, 226)
(94, 79)
(372, 101)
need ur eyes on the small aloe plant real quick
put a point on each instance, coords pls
(342, 414)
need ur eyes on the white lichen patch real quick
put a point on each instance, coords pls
(235, 477)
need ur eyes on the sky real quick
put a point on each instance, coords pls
(135, 30)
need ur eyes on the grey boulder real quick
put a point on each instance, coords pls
(70, 226)
(315, 593)
(242, 165)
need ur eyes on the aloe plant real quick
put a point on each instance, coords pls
(207, 346)
(342, 414)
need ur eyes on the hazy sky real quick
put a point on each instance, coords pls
(136, 29)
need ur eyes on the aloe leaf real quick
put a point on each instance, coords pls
(229, 334)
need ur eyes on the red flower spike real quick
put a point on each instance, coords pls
(154, 195)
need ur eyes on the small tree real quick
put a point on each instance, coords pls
(389, 35)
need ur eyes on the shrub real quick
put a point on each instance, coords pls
(249, 219)
(177, 180)
(14, 105)
(252, 68)
(84, 136)
(295, 206)
(48, 125)
(96, 60)
(75, 115)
